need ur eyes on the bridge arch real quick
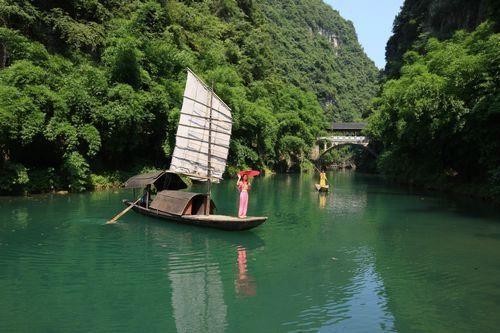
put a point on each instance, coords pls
(338, 145)
(341, 134)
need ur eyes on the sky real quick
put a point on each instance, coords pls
(373, 22)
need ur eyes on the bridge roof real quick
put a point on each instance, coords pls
(347, 126)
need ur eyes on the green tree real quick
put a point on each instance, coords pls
(439, 119)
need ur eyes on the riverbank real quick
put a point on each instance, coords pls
(115, 180)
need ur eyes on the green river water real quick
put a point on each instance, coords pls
(366, 257)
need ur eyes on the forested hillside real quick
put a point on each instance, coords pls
(421, 19)
(93, 86)
(437, 120)
(303, 35)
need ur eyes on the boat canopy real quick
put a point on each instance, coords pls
(180, 203)
(162, 180)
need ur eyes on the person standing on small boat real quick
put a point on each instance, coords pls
(146, 196)
(243, 186)
(322, 178)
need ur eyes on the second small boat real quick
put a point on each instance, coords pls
(320, 188)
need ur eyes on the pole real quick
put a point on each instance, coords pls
(123, 212)
(209, 171)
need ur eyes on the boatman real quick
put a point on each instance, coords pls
(322, 178)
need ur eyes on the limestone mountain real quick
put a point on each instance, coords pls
(315, 48)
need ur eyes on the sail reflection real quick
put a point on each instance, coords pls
(245, 285)
(197, 298)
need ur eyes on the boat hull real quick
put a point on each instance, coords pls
(223, 222)
(320, 188)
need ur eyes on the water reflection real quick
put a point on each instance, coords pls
(198, 262)
(322, 200)
(366, 259)
(244, 285)
(369, 299)
(21, 218)
(348, 203)
(197, 297)
(354, 301)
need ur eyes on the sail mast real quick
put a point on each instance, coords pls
(209, 172)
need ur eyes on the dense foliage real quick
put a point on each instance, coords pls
(421, 19)
(343, 80)
(96, 85)
(439, 122)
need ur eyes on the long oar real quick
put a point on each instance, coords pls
(123, 212)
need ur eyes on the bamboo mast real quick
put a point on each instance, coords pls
(209, 171)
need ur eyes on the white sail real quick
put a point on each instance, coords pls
(201, 107)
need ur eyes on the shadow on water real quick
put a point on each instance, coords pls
(248, 239)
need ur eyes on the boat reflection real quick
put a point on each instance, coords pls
(245, 285)
(197, 276)
(322, 199)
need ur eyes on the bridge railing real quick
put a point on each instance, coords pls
(326, 143)
(344, 138)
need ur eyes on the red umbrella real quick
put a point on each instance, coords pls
(249, 173)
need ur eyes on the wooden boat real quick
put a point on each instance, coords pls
(320, 188)
(189, 208)
(200, 153)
